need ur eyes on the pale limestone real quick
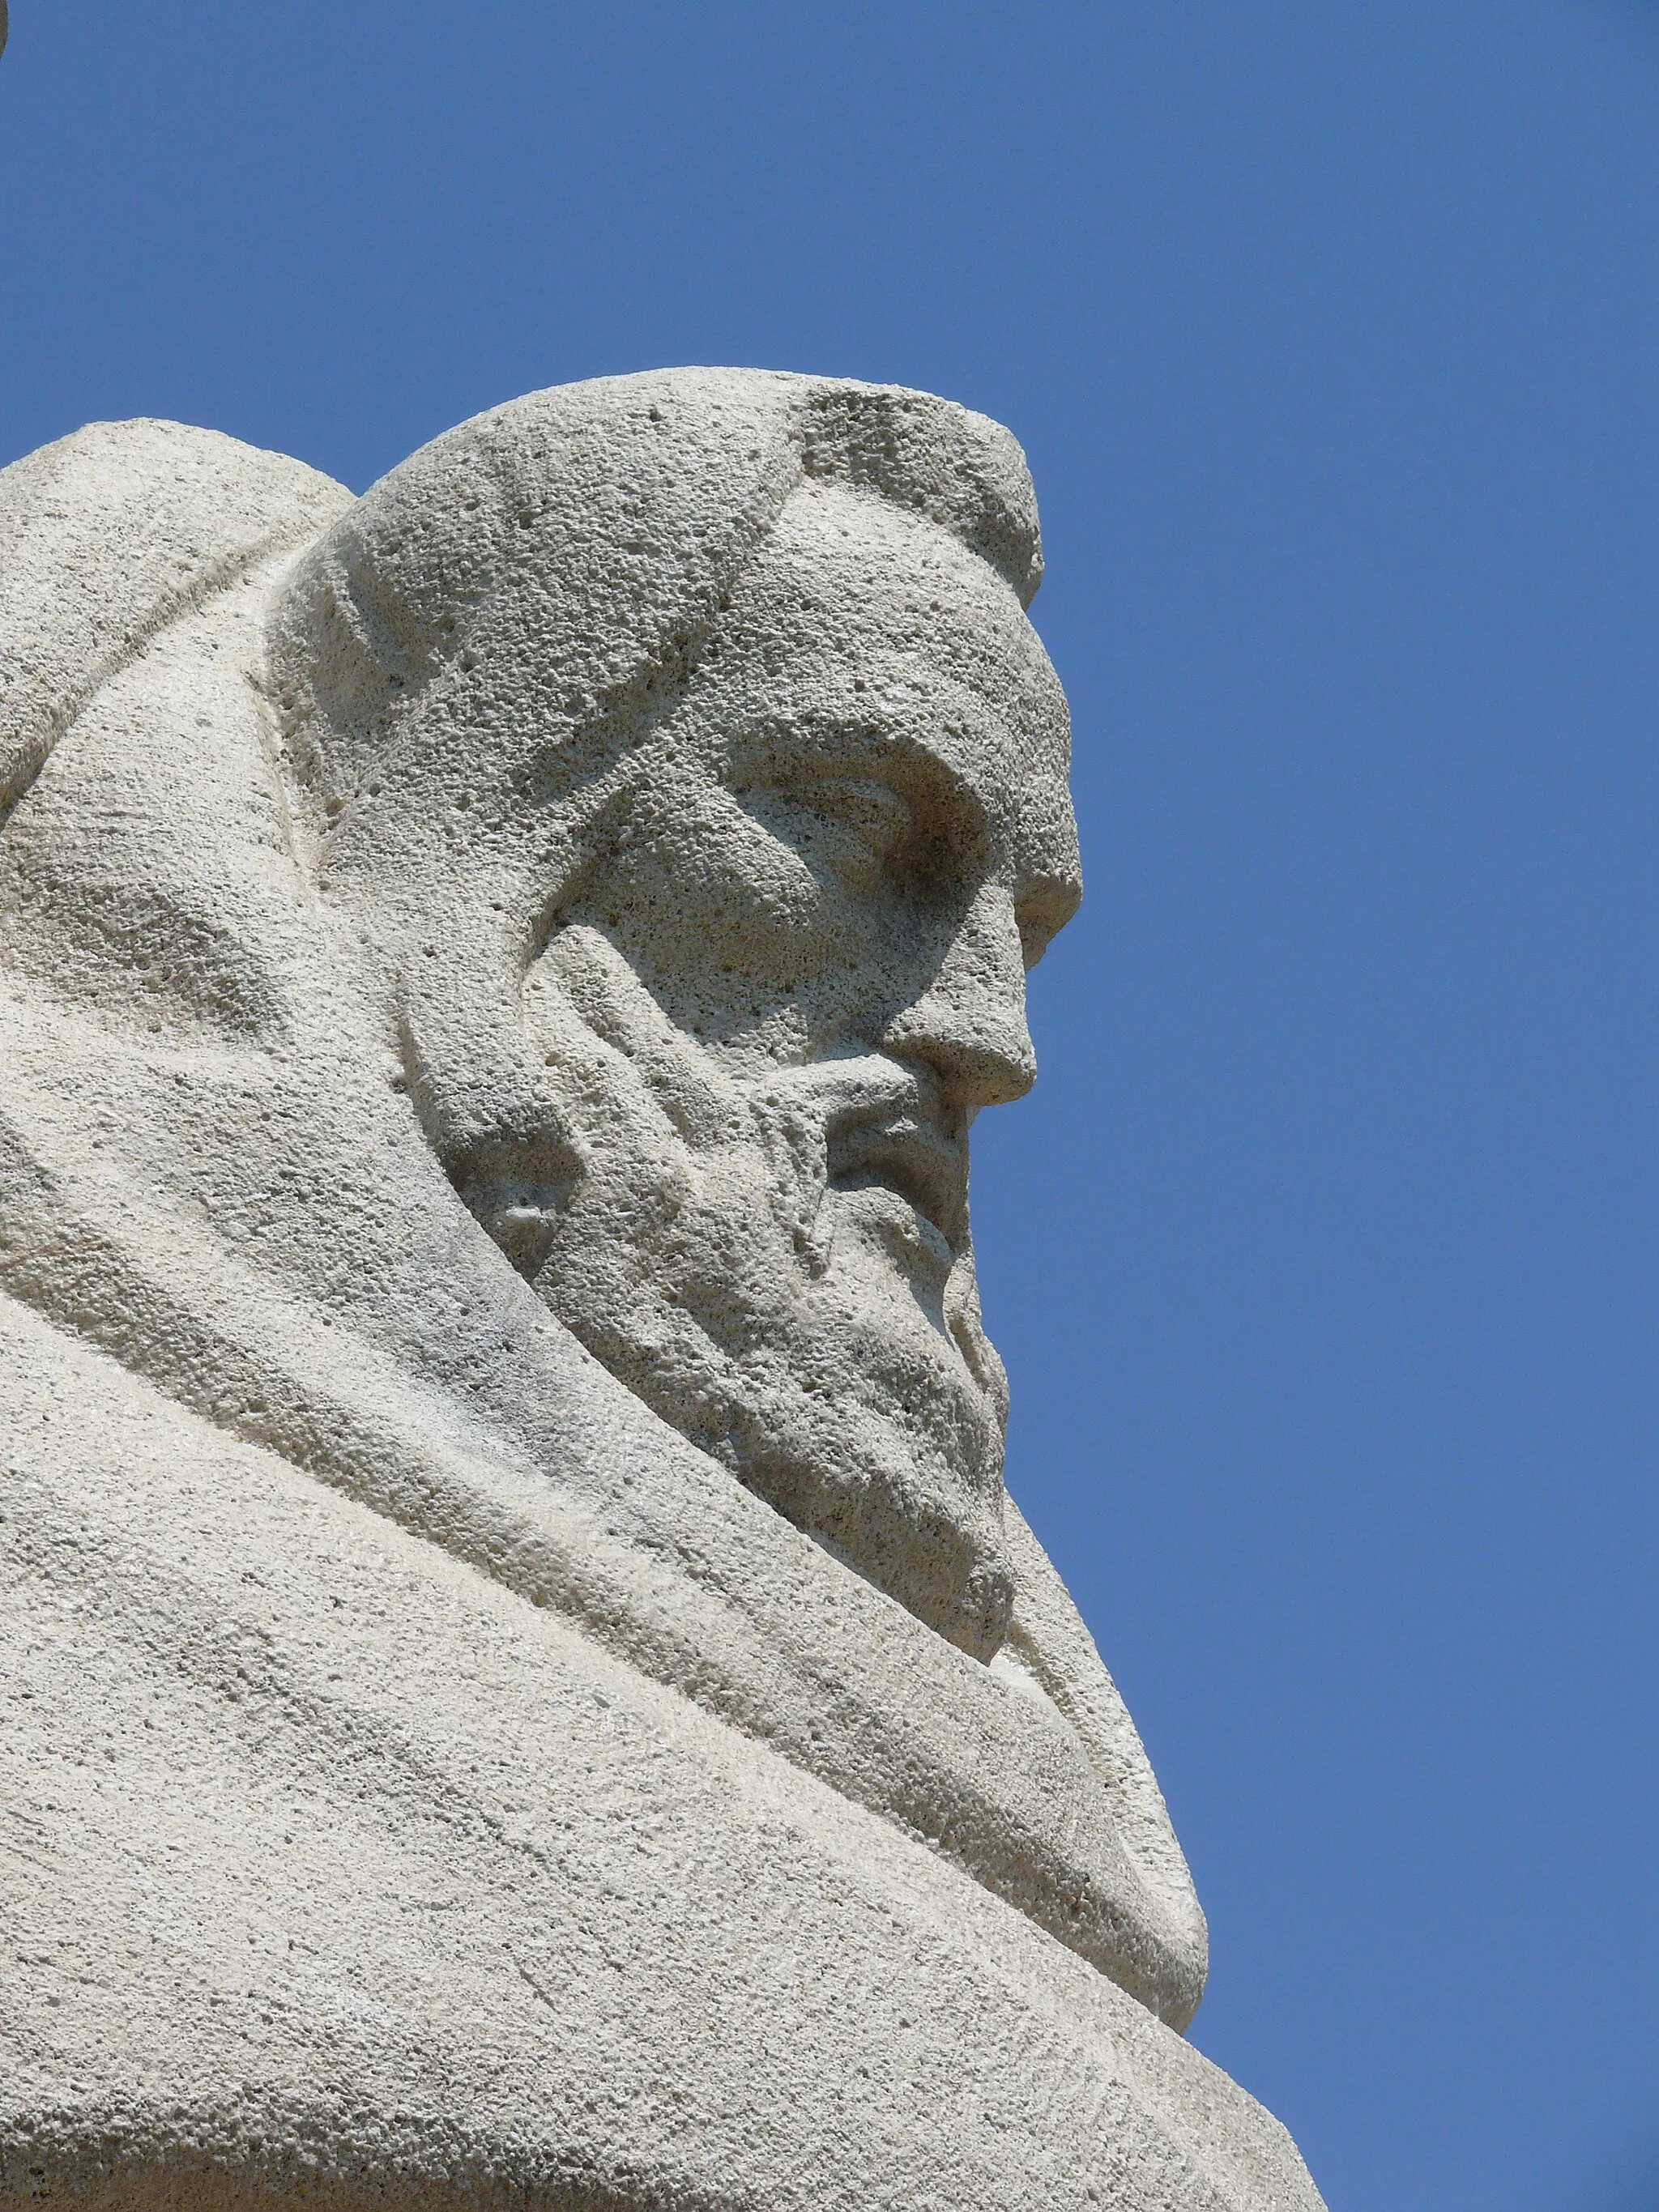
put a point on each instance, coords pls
(524, 1683)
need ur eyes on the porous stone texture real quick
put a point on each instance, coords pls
(523, 1684)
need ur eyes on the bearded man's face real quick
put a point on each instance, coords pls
(712, 1096)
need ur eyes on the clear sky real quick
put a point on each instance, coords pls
(1322, 1257)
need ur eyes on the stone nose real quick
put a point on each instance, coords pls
(969, 1025)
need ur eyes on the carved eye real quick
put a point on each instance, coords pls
(856, 824)
(875, 812)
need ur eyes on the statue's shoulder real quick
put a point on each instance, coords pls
(112, 533)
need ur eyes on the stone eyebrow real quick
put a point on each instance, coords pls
(874, 737)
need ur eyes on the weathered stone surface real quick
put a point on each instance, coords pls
(523, 1684)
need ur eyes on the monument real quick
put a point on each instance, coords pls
(523, 1684)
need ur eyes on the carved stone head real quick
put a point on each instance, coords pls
(679, 749)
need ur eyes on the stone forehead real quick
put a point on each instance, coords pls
(841, 566)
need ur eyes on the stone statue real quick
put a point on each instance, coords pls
(523, 1684)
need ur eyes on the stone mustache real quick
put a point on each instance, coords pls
(528, 1683)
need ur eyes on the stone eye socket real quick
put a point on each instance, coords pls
(878, 816)
(858, 825)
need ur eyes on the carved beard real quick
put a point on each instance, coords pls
(824, 1343)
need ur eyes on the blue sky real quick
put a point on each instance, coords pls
(1322, 1257)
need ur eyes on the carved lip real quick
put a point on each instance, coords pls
(914, 1157)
